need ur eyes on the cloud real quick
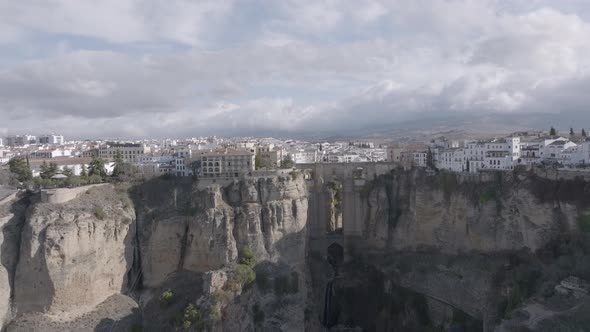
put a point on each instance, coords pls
(117, 21)
(290, 66)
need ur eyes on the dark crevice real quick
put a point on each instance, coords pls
(134, 275)
(183, 245)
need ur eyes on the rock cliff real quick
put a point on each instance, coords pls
(434, 249)
(183, 227)
(75, 255)
(453, 213)
(12, 216)
(477, 245)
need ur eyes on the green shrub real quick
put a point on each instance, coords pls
(166, 298)
(73, 181)
(219, 296)
(190, 317)
(99, 213)
(247, 257)
(244, 274)
(125, 200)
(94, 179)
(215, 314)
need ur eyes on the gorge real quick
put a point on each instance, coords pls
(345, 247)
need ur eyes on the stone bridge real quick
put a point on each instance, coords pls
(353, 177)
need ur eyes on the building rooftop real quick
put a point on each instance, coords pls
(123, 145)
(560, 142)
(227, 152)
(61, 161)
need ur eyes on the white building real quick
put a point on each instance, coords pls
(451, 159)
(498, 160)
(227, 163)
(530, 152)
(157, 168)
(50, 154)
(130, 152)
(305, 156)
(552, 151)
(74, 164)
(499, 154)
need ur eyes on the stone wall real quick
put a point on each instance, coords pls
(63, 195)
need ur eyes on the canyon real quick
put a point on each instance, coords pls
(353, 247)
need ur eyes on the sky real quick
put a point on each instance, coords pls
(177, 68)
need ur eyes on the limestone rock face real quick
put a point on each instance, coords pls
(405, 212)
(184, 227)
(75, 255)
(12, 217)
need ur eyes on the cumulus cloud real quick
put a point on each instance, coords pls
(157, 68)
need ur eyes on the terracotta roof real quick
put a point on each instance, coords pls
(61, 161)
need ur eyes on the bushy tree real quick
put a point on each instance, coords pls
(572, 134)
(97, 168)
(119, 167)
(83, 171)
(74, 181)
(48, 170)
(244, 274)
(583, 133)
(247, 257)
(552, 132)
(44, 170)
(430, 159)
(287, 162)
(67, 171)
(20, 167)
(40, 182)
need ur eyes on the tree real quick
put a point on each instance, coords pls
(97, 168)
(258, 161)
(48, 170)
(583, 133)
(83, 172)
(552, 132)
(53, 169)
(21, 169)
(287, 162)
(67, 171)
(119, 167)
(44, 170)
(430, 159)
(572, 134)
